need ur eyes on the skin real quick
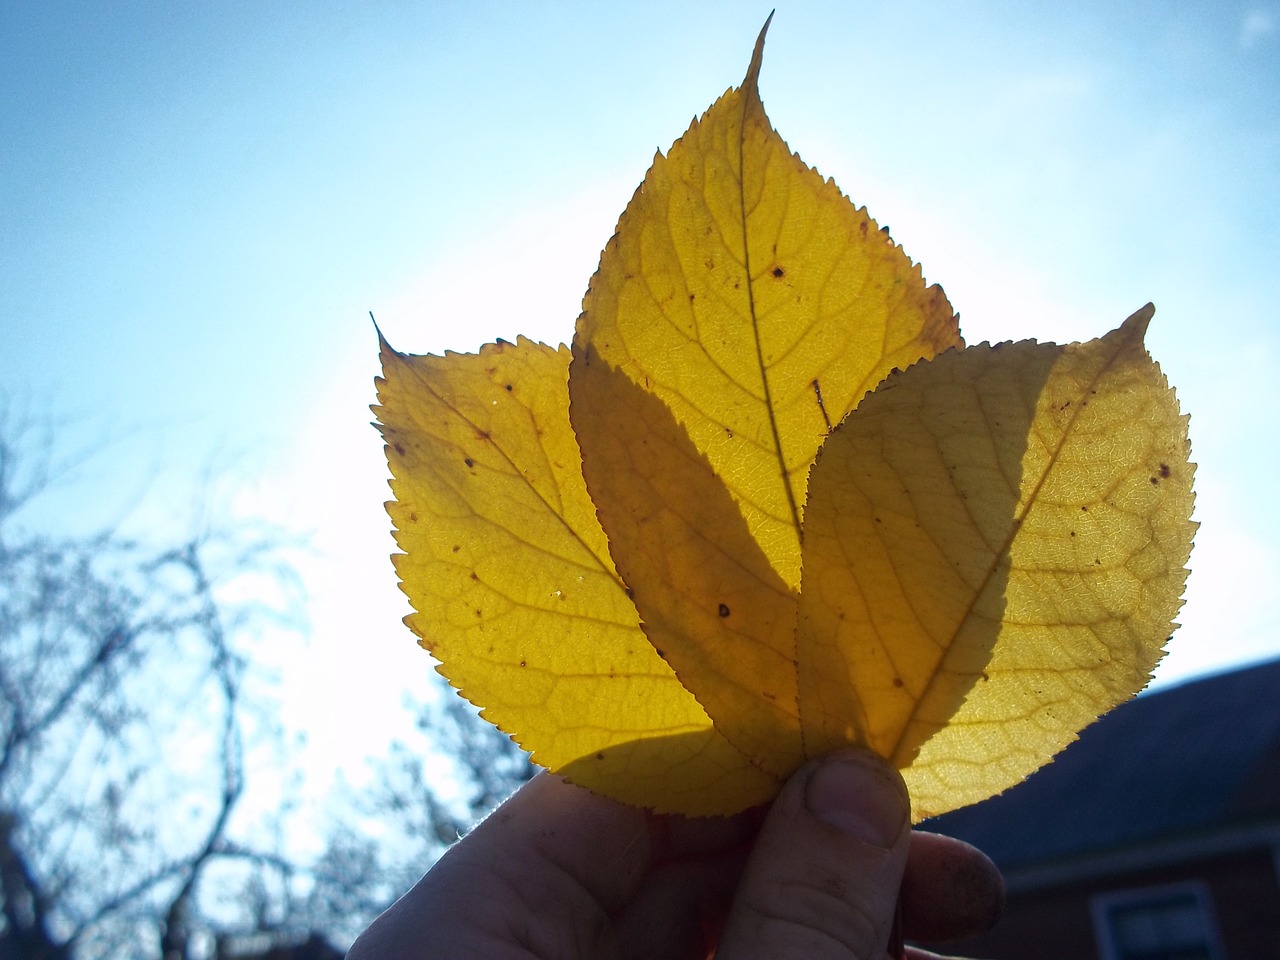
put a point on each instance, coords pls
(558, 873)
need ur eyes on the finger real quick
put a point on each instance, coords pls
(950, 890)
(679, 912)
(539, 877)
(823, 879)
(696, 864)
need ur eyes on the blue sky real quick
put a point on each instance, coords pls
(199, 203)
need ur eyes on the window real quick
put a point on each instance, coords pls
(1173, 922)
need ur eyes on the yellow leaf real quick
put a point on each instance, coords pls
(756, 302)
(662, 570)
(510, 576)
(995, 550)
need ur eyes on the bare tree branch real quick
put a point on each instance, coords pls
(127, 817)
(117, 662)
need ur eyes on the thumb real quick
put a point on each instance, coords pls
(823, 878)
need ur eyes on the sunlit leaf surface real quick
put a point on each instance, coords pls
(773, 506)
(510, 574)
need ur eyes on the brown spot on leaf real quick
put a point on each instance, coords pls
(779, 273)
(1164, 471)
(724, 610)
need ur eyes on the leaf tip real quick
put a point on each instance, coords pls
(1136, 323)
(751, 82)
(385, 349)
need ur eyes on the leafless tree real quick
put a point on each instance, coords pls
(427, 791)
(128, 824)
(456, 769)
(122, 727)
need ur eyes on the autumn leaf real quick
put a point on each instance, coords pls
(772, 507)
(516, 594)
(995, 547)
(751, 297)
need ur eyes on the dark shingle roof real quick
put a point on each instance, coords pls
(1198, 756)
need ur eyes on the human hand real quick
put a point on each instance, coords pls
(559, 873)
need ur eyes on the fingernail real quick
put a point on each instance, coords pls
(859, 796)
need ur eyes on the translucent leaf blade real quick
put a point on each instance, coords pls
(514, 590)
(759, 304)
(995, 550)
(1097, 572)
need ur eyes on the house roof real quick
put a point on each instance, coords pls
(1199, 756)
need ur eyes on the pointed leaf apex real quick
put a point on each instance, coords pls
(751, 83)
(382, 340)
(1138, 320)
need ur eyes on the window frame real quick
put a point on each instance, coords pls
(1102, 905)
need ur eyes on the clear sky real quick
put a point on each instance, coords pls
(199, 203)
